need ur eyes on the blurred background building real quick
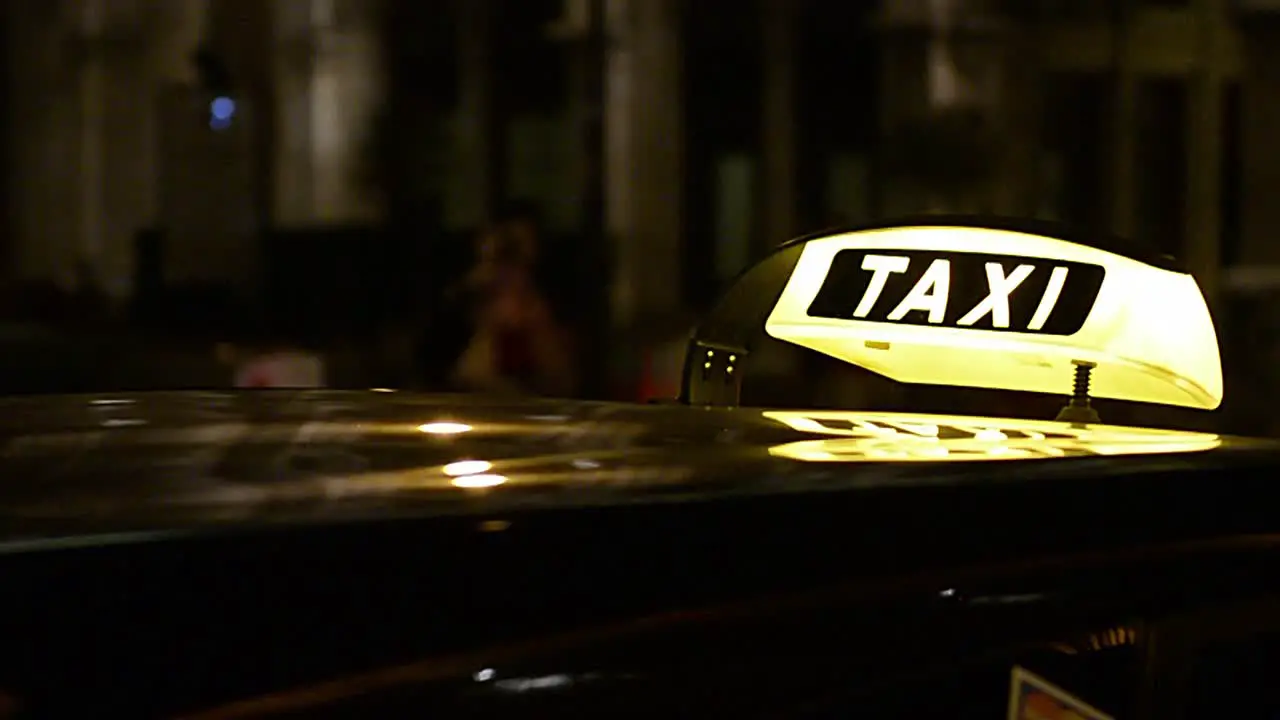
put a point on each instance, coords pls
(334, 155)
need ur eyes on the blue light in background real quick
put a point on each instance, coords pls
(222, 108)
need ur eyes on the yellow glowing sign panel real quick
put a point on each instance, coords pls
(1005, 310)
(901, 437)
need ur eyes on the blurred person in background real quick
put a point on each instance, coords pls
(516, 344)
(451, 321)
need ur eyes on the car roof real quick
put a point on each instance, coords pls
(116, 465)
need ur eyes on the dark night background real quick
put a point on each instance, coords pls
(663, 143)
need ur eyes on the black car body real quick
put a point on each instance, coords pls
(205, 548)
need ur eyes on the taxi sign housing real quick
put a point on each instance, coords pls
(957, 302)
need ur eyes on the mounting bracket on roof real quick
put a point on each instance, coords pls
(1079, 410)
(717, 369)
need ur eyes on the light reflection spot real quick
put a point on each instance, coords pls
(444, 428)
(467, 467)
(478, 481)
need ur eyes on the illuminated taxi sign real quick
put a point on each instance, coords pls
(961, 290)
(999, 309)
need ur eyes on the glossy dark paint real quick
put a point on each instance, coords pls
(680, 572)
